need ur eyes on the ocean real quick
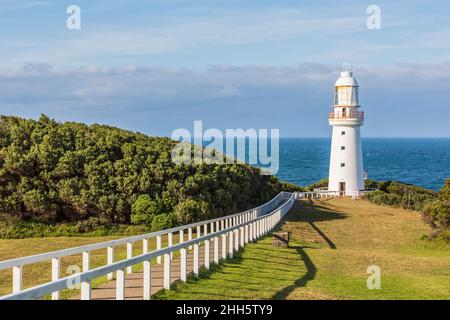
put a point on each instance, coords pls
(422, 162)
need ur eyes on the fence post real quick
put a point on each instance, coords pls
(158, 246)
(147, 277)
(230, 244)
(129, 255)
(56, 263)
(207, 254)
(167, 263)
(181, 236)
(195, 259)
(120, 285)
(241, 233)
(86, 285)
(190, 236)
(147, 280)
(183, 269)
(170, 242)
(216, 250)
(110, 260)
(246, 233)
(236, 240)
(261, 228)
(17, 279)
(224, 246)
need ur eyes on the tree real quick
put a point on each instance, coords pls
(144, 209)
(191, 210)
(60, 172)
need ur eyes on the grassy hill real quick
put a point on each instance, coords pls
(333, 243)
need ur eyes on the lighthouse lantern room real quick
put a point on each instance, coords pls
(346, 174)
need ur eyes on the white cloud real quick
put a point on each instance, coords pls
(293, 97)
(181, 36)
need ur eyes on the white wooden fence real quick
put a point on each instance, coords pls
(322, 193)
(236, 230)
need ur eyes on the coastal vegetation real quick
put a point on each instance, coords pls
(62, 179)
(433, 206)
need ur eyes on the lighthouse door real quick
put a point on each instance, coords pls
(342, 189)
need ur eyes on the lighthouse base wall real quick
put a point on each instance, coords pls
(346, 163)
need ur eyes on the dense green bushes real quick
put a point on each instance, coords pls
(400, 194)
(96, 175)
(437, 212)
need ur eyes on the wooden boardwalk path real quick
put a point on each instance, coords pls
(134, 282)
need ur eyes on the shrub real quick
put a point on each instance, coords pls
(164, 221)
(401, 194)
(89, 225)
(144, 209)
(437, 213)
(383, 198)
(191, 210)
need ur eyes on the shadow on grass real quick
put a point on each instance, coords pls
(310, 274)
(204, 274)
(309, 212)
(303, 211)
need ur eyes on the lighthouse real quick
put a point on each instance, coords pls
(346, 174)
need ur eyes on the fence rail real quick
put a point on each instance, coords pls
(235, 230)
(322, 193)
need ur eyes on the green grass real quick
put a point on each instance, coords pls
(38, 273)
(333, 242)
(28, 229)
(240, 277)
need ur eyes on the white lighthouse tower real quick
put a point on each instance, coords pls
(346, 163)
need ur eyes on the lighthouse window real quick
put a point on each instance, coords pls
(342, 165)
(342, 147)
(342, 133)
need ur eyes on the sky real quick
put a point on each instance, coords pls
(156, 66)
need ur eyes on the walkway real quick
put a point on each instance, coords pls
(134, 283)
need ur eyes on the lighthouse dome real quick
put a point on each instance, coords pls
(346, 80)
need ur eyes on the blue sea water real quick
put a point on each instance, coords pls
(423, 162)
